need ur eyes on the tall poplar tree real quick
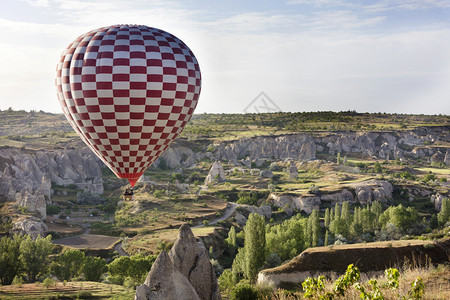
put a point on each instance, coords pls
(255, 243)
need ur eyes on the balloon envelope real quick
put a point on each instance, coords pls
(128, 91)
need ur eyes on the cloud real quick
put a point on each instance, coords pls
(337, 56)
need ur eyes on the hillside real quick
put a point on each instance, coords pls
(390, 173)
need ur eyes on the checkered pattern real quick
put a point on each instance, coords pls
(128, 91)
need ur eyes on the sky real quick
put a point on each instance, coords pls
(293, 55)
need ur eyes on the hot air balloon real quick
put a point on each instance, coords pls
(128, 91)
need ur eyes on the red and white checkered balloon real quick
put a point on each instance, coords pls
(128, 91)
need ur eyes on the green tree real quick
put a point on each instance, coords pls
(444, 214)
(327, 217)
(403, 218)
(231, 240)
(377, 167)
(339, 226)
(255, 244)
(238, 267)
(286, 239)
(68, 264)
(48, 282)
(225, 280)
(315, 227)
(119, 268)
(327, 242)
(345, 213)
(232, 237)
(139, 267)
(377, 208)
(34, 256)
(244, 292)
(337, 211)
(10, 264)
(135, 268)
(93, 268)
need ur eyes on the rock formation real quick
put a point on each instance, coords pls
(192, 259)
(373, 190)
(266, 174)
(302, 203)
(293, 171)
(27, 177)
(216, 173)
(303, 147)
(365, 192)
(263, 210)
(33, 201)
(240, 219)
(184, 273)
(437, 201)
(29, 225)
(297, 146)
(165, 281)
(370, 258)
(447, 157)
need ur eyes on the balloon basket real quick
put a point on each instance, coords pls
(128, 195)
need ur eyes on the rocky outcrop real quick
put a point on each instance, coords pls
(180, 155)
(303, 147)
(365, 192)
(165, 281)
(266, 174)
(27, 176)
(31, 226)
(447, 157)
(293, 171)
(386, 145)
(298, 147)
(302, 203)
(184, 273)
(339, 197)
(216, 173)
(437, 201)
(192, 259)
(370, 258)
(373, 190)
(33, 201)
(240, 219)
(264, 210)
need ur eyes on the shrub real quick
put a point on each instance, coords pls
(18, 280)
(225, 280)
(243, 292)
(93, 268)
(158, 193)
(84, 295)
(53, 209)
(48, 282)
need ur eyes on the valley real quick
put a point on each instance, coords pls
(384, 177)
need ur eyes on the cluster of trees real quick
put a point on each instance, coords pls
(22, 257)
(264, 246)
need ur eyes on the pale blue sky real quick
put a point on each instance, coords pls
(306, 55)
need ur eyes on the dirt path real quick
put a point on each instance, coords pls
(119, 249)
(225, 216)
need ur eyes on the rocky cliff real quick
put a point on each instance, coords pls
(419, 143)
(388, 145)
(27, 176)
